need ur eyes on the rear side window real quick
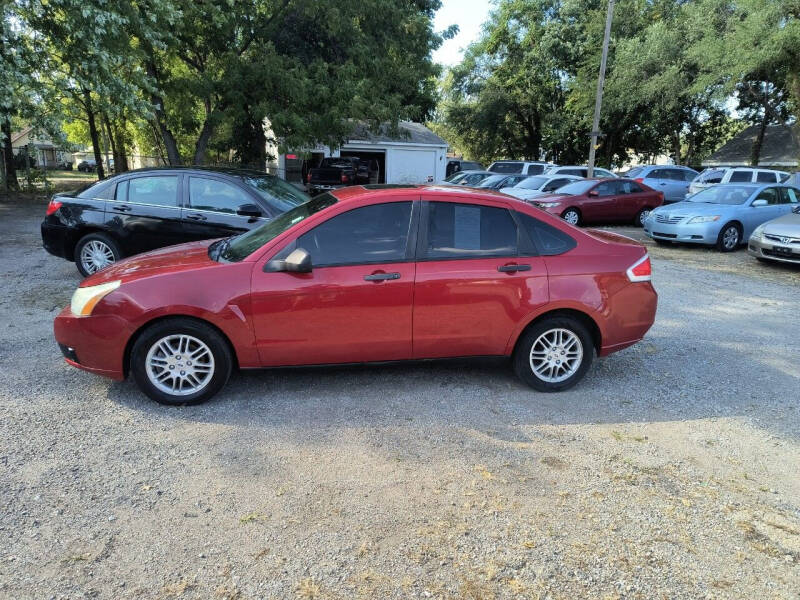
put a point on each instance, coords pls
(740, 176)
(657, 174)
(215, 195)
(791, 195)
(159, 191)
(766, 177)
(548, 240)
(469, 231)
(371, 234)
(535, 169)
(102, 190)
(712, 177)
(629, 187)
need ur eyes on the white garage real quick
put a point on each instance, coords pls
(413, 155)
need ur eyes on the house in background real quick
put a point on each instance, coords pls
(47, 154)
(780, 149)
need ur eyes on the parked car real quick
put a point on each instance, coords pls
(673, 180)
(778, 239)
(578, 171)
(539, 185)
(354, 276)
(716, 176)
(724, 215)
(601, 200)
(524, 167)
(467, 178)
(150, 208)
(495, 182)
(87, 166)
(336, 172)
(454, 165)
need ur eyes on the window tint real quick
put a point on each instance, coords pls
(658, 174)
(739, 176)
(629, 187)
(675, 174)
(606, 188)
(212, 194)
(535, 169)
(506, 167)
(766, 177)
(771, 195)
(161, 190)
(371, 234)
(548, 239)
(712, 176)
(791, 195)
(578, 172)
(102, 189)
(468, 230)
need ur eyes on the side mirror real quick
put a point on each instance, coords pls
(249, 210)
(593, 193)
(759, 202)
(298, 261)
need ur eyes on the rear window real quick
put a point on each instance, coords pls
(634, 172)
(506, 167)
(548, 240)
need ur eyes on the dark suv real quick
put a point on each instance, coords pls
(147, 209)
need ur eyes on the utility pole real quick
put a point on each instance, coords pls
(598, 101)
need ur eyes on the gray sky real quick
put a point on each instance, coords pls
(469, 15)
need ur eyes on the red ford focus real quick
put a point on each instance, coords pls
(365, 274)
(601, 200)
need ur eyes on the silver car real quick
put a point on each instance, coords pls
(538, 185)
(778, 239)
(724, 215)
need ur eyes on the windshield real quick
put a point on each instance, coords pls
(532, 183)
(577, 187)
(473, 178)
(723, 194)
(492, 180)
(244, 245)
(277, 193)
(456, 177)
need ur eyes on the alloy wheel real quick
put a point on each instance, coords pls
(572, 217)
(179, 365)
(643, 214)
(556, 355)
(730, 239)
(96, 255)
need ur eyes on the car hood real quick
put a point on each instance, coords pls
(694, 209)
(183, 257)
(785, 226)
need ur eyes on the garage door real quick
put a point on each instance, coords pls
(413, 166)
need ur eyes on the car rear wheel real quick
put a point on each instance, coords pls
(181, 361)
(94, 252)
(641, 216)
(554, 354)
(729, 237)
(572, 216)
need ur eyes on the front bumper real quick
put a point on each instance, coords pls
(770, 250)
(696, 233)
(95, 343)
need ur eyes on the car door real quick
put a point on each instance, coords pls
(600, 203)
(631, 198)
(355, 304)
(660, 179)
(211, 208)
(753, 216)
(145, 213)
(475, 281)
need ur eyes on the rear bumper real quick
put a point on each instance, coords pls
(55, 239)
(699, 233)
(95, 343)
(773, 251)
(633, 312)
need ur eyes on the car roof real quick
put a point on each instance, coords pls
(354, 192)
(233, 171)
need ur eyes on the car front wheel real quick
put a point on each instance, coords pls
(181, 361)
(554, 354)
(729, 238)
(572, 216)
(641, 217)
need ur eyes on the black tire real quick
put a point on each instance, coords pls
(567, 215)
(725, 239)
(177, 326)
(100, 238)
(638, 220)
(522, 355)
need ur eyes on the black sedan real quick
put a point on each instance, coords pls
(147, 209)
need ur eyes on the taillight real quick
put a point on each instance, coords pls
(345, 178)
(53, 207)
(308, 177)
(639, 180)
(641, 270)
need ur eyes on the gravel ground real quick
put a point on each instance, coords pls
(671, 471)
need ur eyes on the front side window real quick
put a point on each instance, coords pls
(469, 231)
(606, 188)
(741, 176)
(689, 176)
(215, 195)
(160, 191)
(657, 174)
(370, 234)
(771, 195)
(548, 240)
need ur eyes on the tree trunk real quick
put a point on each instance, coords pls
(122, 166)
(11, 182)
(111, 141)
(205, 135)
(677, 140)
(755, 155)
(90, 115)
(173, 156)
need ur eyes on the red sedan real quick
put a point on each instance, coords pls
(602, 200)
(365, 275)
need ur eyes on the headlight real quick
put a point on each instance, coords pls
(86, 298)
(758, 231)
(548, 204)
(708, 219)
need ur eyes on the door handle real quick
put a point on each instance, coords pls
(513, 268)
(196, 217)
(122, 208)
(381, 276)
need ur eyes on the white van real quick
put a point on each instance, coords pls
(714, 176)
